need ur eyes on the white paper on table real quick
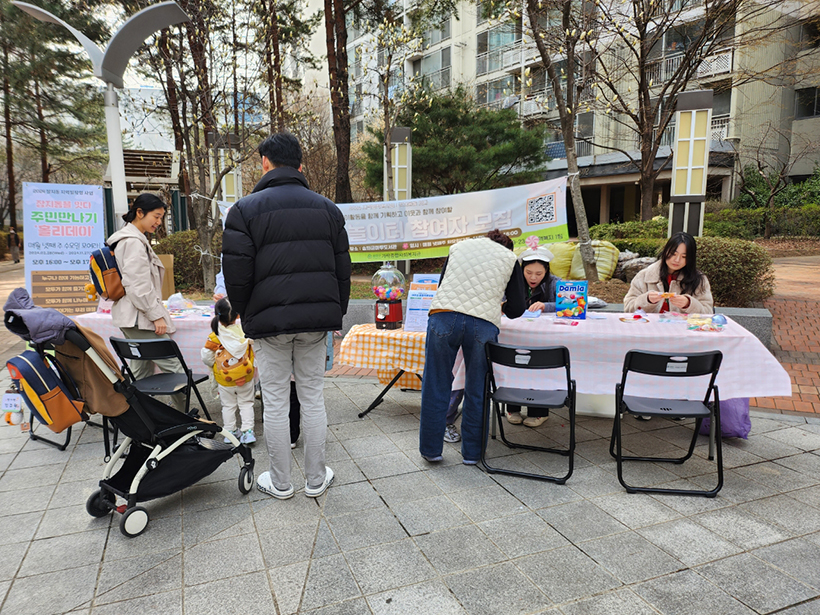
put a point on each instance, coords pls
(422, 290)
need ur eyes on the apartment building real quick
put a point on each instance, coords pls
(775, 114)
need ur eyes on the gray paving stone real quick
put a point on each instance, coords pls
(207, 525)
(70, 520)
(786, 512)
(270, 513)
(536, 494)
(388, 566)
(622, 602)
(211, 561)
(762, 444)
(369, 446)
(756, 583)
(325, 542)
(41, 455)
(24, 526)
(205, 496)
(5, 460)
(248, 593)
(127, 578)
(61, 552)
(167, 603)
(284, 547)
(592, 482)
(26, 500)
(406, 488)
(810, 496)
(10, 557)
(458, 549)
(452, 478)
(798, 437)
(38, 476)
(427, 597)
(351, 498)
(487, 503)
(742, 528)
(86, 470)
(624, 508)
(429, 515)
(366, 528)
(329, 581)
(566, 574)
(49, 594)
(392, 464)
(689, 542)
(776, 476)
(807, 608)
(346, 432)
(798, 558)
(579, 521)
(72, 494)
(805, 463)
(357, 606)
(163, 534)
(288, 582)
(686, 593)
(495, 590)
(394, 424)
(522, 534)
(630, 557)
(347, 472)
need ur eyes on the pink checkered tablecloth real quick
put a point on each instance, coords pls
(190, 335)
(597, 349)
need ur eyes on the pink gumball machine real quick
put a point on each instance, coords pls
(388, 286)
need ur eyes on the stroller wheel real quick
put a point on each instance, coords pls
(246, 479)
(100, 503)
(134, 521)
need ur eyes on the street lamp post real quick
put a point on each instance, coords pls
(109, 66)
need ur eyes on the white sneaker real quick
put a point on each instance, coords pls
(451, 434)
(247, 437)
(315, 492)
(265, 485)
(236, 433)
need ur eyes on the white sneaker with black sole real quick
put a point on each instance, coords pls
(265, 485)
(315, 492)
(451, 434)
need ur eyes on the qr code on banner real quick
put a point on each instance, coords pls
(541, 209)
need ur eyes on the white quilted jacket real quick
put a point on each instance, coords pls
(477, 274)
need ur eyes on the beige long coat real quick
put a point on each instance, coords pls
(649, 280)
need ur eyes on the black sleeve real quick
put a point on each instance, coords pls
(443, 268)
(516, 294)
(341, 251)
(238, 254)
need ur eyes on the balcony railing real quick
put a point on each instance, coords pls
(660, 71)
(538, 102)
(557, 150)
(438, 80)
(720, 131)
(682, 5)
(494, 59)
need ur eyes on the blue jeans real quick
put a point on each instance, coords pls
(446, 333)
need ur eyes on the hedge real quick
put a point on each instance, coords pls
(740, 272)
(656, 228)
(4, 244)
(187, 266)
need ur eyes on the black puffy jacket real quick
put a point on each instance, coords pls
(285, 258)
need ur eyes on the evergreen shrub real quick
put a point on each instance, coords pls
(187, 265)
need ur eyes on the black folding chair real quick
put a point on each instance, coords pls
(160, 384)
(556, 357)
(669, 365)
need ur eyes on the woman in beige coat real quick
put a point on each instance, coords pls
(140, 313)
(675, 273)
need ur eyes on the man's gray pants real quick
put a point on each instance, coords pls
(303, 355)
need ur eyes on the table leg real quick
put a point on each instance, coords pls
(378, 400)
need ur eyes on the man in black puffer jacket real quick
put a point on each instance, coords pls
(287, 272)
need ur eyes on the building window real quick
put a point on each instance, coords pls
(438, 34)
(491, 44)
(806, 104)
(810, 34)
(434, 69)
(494, 93)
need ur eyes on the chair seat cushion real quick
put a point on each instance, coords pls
(652, 406)
(531, 397)
(162, 384)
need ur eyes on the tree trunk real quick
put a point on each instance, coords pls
(574, 181)
(205, 235)
(277, 68)
(44, 168)
(9, 144)
(171, 87)
(647, 181)
(336, 42)
(767, 233)
(388, 149)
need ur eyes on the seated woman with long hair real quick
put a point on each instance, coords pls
(675, 273)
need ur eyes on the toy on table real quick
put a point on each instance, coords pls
(713, 323)
(388, 285)
(571, 300)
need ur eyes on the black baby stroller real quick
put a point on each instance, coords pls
(166, 449)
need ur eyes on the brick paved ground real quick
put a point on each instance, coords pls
(796, 332)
